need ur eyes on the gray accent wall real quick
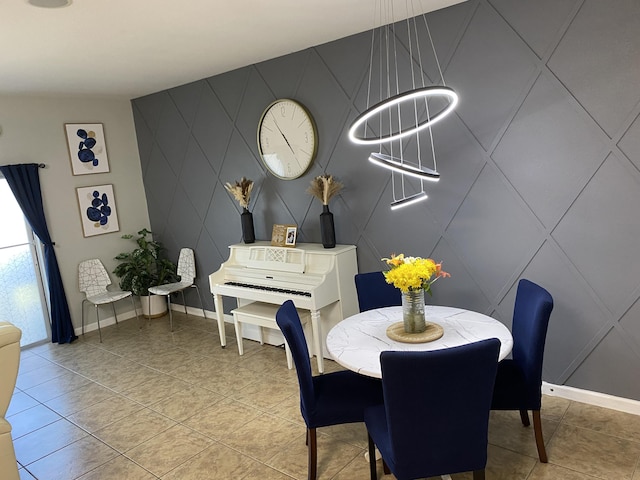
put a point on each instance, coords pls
(540, 170)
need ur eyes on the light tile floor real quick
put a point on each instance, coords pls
(147, 403)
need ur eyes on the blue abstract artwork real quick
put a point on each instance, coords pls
(97, 210)
(87, 149)
(87, 142)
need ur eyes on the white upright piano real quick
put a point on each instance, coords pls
(317, 279)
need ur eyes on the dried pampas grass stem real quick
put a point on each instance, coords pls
(324, 188)
(241, 191)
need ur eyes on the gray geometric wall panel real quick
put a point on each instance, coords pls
(597, 60)
(600, 234)
(550, 150)
(538, 23)
(491, 68)
(540, 170)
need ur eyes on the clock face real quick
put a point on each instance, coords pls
(287, 139)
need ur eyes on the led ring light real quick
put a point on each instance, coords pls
(405, 202)
(423, 92)
(394, 164)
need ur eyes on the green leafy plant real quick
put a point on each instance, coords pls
(144, 266)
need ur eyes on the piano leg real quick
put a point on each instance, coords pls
(317, 339)
(217, 300)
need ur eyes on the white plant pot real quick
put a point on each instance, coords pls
(158, 305)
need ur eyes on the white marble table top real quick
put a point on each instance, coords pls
(357, 341)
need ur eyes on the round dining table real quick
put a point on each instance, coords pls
(357, 341)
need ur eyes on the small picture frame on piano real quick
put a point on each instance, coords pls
(290, 240)
(284, 235)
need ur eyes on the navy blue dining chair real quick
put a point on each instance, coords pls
(519, 379)
(330, 399)
(374, 292)
(435, 417)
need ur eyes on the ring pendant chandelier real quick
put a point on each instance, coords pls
(395, 121)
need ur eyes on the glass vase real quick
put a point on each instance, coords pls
(413, 311)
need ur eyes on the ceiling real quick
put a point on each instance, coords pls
(136, 47)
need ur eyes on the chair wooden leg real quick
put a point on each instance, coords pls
(385, 468)
(537, 429)
(524, 416)
(312, 446)
(478, 474)
(372, 459)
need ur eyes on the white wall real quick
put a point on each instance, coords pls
(33, 132)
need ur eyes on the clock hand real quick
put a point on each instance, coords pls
(285, 138)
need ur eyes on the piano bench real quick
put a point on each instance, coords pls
(263, 315)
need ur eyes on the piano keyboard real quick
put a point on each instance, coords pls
(269, 289)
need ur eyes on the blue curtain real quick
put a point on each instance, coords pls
(25, 185)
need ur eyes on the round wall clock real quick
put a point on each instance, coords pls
(287, 139)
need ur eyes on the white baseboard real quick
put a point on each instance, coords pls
(273, 337)
(107, 321)
(104, 322)
(249, 332)
(592, 398)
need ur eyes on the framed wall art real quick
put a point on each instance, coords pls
(97, 210)
(87, 148)
(284, 235)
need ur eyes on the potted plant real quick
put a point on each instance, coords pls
(144, 267)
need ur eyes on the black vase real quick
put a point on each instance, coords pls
(327, 230)
(248, 235)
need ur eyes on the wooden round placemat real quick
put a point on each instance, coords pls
(433, 332)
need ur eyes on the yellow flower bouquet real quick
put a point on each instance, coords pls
(411, 274)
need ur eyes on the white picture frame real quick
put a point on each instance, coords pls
(290, 237)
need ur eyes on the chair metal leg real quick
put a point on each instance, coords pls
(133, 303)
(537, 429)
(200, 298)
(83, 315)
(135, 309)
(524, 416)
(113, 307)
(170, 315)
(98, 319)
(312, 446)
(372, 459)
(184, 302)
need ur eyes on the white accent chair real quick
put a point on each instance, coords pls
(93, 282)
(10, 361)
(187, 273)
